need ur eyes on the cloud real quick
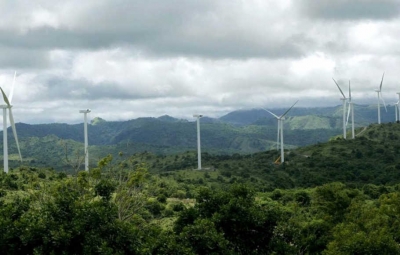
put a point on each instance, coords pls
(198, 28)
(350, 10)
(127, 59)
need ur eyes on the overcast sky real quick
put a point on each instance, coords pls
(132, 58)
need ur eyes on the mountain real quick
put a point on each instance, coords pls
(52, 143)
(364, 115)
(371, 158)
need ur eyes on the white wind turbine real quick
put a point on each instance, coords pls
(351, 110)
(280, 128)
(5, 107)
(198, 116)
(344, 99)
(379, 91)
(85, 112)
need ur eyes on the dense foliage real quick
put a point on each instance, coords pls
(119, 208)
(340, 197)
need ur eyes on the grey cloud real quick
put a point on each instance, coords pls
(16, 58)
(232, 46)
(62, 88)
(162, 28)
(350, 9)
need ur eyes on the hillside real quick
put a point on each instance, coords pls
(336, 197)
(317, 117)
(371, 158)
(58, 144)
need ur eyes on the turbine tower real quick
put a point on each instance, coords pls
(379, 91)
(280, 127)
(351, 110)
(85, 112)
(344, 99)
(5, 142)
(198, 116)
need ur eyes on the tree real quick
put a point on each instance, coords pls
(246, 225)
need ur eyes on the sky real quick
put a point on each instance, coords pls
(126, 59)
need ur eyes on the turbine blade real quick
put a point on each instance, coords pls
(5, 97)
(14, 132)
(339, 88)
(349, 91)
(384, 104)
(271, 113)
(289, 109)
(348, 114)
(380, 87)
(10, 97)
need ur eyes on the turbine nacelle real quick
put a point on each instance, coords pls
(85, 111)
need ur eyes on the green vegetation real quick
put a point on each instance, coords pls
(61, 145)
(340, 197)
(121, 209)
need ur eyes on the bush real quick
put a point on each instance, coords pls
(178, 207)
(302, 197)
(154, 207)
(162, 198)
(104, 189)
(168, 212)
(42, 175)
(181, 194)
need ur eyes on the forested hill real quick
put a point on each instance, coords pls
(47, 144)
(364, 115)
(371, 158)
(337, 197)
(253, 124)
(169, 131)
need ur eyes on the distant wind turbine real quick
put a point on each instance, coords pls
(379, 91)
(351, 110)
(344, 99)
(85, 112)
(280, 128)
(5, 142)
(198, 116)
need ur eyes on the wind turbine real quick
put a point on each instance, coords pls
(198, 116)
(351, 110)
(85, 112)
(280, 127)
(344, 99)
(5, 142)
(379, 91)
